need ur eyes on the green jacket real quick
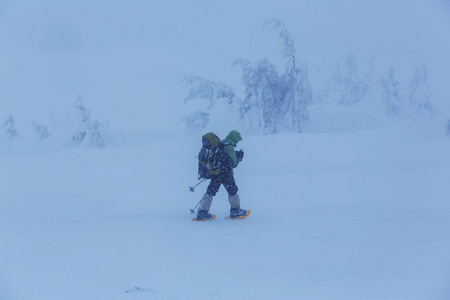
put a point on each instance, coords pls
(230, 143)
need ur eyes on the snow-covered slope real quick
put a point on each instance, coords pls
(361, 215)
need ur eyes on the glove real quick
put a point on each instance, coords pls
(240, 155)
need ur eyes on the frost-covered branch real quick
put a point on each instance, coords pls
(288, 43)
(209, 90)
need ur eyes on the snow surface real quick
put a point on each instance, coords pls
(361, 215)
(356, 207)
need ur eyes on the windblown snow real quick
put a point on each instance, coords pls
(96, 160)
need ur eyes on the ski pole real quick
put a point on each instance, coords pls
(191, 188)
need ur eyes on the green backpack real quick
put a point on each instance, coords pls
(208, 157)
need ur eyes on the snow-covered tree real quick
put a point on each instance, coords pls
(261, 106)
(294, 87)
(343, 84)
(297, 93)
(40, 131)
(197, 120)
(272, 101)
(352, 88)
(390, 95)
(76, 139)
(85, 113)
(420, 95)
(288, 51)
(9, 129)
(210, 91)
(96, 133)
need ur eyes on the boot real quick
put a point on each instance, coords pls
(236, 212)
(203, 215)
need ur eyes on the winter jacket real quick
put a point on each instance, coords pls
(230, 143)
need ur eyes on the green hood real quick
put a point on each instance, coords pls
(233, 138)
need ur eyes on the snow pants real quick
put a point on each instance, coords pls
(227, 180)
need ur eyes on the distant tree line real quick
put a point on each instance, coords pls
(274, 101)
(88, 131)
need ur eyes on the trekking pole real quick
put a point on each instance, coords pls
(191, 188)
(193, 209)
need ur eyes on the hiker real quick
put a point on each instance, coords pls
(221, 161)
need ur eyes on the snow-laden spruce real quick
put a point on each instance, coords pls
(344, 86)
(390, 95)
(9, 129)
(40, 131)
(420, 92)
(94, 132)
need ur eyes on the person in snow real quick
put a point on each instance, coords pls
(228, 159)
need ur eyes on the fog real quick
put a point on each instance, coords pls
(127, 59)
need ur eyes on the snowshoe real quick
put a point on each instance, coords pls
(203, 215)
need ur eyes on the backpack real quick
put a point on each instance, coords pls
(208, 157)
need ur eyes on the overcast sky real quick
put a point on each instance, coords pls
(132, 55)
